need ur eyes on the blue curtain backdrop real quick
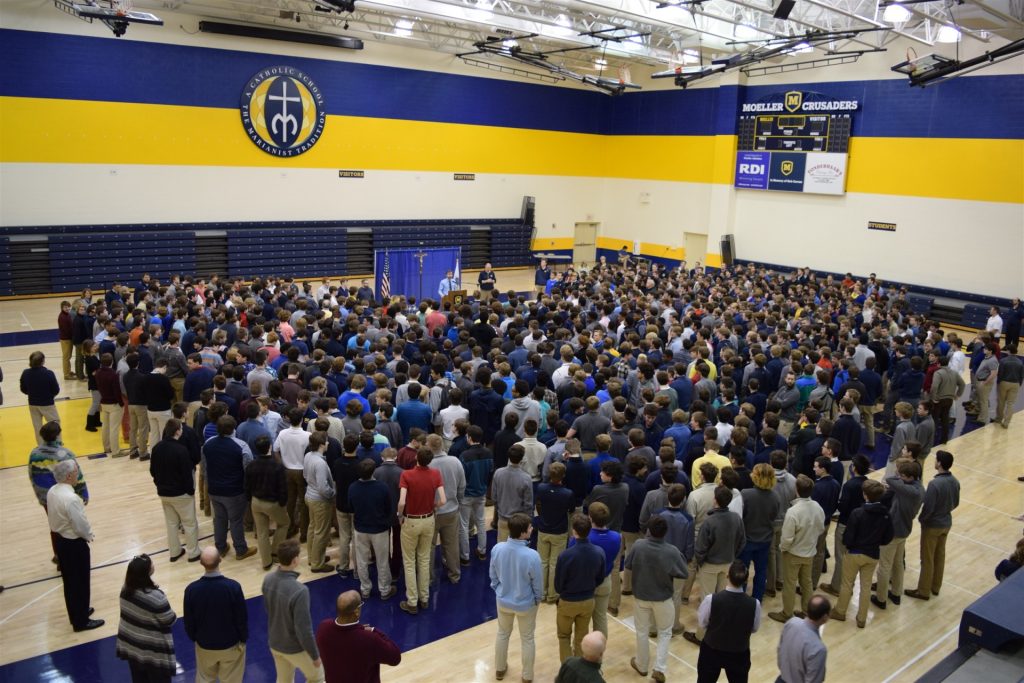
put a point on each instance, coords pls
(404, 269)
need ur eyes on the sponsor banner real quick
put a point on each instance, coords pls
(752, 170)
(786, 171)
(825, 173)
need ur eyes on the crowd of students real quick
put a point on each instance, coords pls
(671, 421)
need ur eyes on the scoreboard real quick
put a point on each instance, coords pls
(795, 132)
(794, 142)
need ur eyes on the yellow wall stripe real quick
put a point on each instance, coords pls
(982, 170)
(546, 243)
(84, 132)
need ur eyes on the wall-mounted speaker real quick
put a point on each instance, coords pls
(728, 249)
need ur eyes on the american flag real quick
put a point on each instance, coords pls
(385, 278)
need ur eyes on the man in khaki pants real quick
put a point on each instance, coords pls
(578, 573)
(216, 620)
(109, 385)
(719, 542)
(1009, 377)
(320, 501)
(908, 494)
(421, 492)
(940, 499)
(804, 522)
(138, 420)
(555, 504)
(266, 486)
(67, 345)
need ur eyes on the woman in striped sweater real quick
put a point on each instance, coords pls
(144, 634)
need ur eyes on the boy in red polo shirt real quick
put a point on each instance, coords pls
(421, 491)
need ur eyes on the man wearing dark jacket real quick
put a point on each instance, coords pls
(869, 528)
(851, 497)
(138, 421)
(826, 494)
(173, 470)
(226, 459)
(159, 395)
(216, 620)
(266, 488)
(40, 385)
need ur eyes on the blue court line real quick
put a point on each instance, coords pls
(453, 608)
(28, 338)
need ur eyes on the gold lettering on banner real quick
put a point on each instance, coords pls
(465, 176)
(351, 174)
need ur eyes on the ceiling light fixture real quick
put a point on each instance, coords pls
(947, 34)
(895, 14)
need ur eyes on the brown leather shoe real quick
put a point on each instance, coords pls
(910, 593)
(827, 588)
(632, 663)
(248, 553)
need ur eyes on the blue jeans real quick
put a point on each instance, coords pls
(758, 553)
(228, 511)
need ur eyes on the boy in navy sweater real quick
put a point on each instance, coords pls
(578, 573)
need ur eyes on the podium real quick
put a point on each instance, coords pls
(455, 298)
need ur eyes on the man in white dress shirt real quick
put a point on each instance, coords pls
(66, 513)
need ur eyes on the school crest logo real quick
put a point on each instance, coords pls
(794, 99)
(786, 167)
(283, 111)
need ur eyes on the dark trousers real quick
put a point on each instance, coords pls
(940, 411)
(298, 513)
(142, 673)
(711, 662)
(757, 552)
(228, 513)
(73, 556)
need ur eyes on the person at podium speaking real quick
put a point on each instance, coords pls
(448, 284)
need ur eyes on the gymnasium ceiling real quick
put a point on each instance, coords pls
(648, 34)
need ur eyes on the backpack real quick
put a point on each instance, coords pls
(446, 385)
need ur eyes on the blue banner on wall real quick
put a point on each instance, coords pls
(752, 170)
(403, 267)
(786, 171)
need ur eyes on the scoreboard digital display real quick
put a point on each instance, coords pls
(795, 132)
(794, 142)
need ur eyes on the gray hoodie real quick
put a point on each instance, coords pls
(526, 408)
(785, 489)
